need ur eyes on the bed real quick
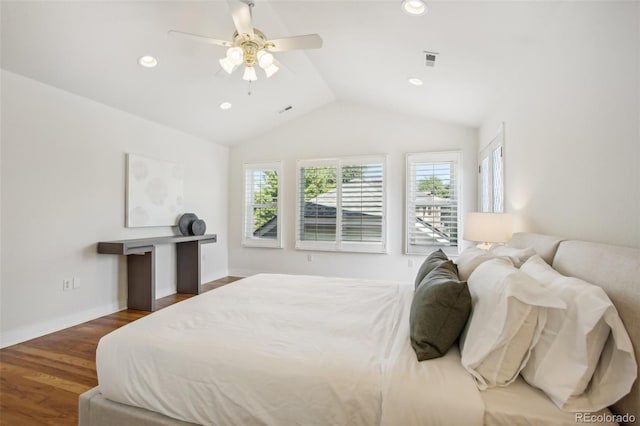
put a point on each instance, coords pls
(282, 349)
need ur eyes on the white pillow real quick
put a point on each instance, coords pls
(469, 260)
(508, 314)
(516, 255)
(472, 257)
(567, 363)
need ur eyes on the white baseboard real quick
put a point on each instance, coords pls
(214, 275)
(22, 334)
(243, 272)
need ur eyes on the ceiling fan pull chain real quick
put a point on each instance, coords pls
(249, 93)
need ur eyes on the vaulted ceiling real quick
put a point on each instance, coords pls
(370, 49)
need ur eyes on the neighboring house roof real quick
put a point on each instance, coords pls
(359, 198)
(317, 209)
(324, 206)
(268, 230)
(429, 230)
(311, 210)
(425, 198)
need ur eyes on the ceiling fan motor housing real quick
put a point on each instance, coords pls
(251, 45)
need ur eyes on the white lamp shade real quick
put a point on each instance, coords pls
(249, 74)
(488, 227)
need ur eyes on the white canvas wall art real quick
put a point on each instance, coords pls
(155, 191)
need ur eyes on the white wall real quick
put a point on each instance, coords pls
(63, 183)
(342, 129)
(572, 120)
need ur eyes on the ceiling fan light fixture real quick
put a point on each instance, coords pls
(271, 70)
(414, 7)
(249, 46)
(265, 59)
(227, 65)
(249, 74)
(235, 55)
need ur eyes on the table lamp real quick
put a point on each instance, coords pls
(487, 228)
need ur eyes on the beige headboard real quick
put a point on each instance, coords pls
(617, 270)
(545, 245)
(614, 268)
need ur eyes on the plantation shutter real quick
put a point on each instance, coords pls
(498, 186)
(362, 202)
(485, 184)
(318, 201)
(262, 201)
(491, 169)
(433, 201)
(341, 205)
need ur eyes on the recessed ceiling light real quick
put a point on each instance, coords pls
(415, 81)
(225, 105)
(147, 61)
(414, 7)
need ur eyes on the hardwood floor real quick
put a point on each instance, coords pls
(40, 379)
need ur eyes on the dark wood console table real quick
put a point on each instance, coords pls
(141, 280)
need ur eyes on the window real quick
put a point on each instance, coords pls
(434, 191)
(341, 205)
(262, 205)
(491, 169)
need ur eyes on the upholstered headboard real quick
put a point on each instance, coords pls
(616, 269)
(545, 245)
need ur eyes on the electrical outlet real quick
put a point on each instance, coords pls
(67, 284)
(410, 263)
(76, 283)
(309, 258)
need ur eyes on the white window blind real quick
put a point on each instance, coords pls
(498, 186)
(433, 194)
(491, 169)
(262, 205)
(341, 205)
(362, 202)
(485, 186)
(317, 198)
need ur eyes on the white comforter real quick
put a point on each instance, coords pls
(286, 350)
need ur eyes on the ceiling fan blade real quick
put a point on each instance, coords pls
(241, 15)
(309, 41)
(200, 38)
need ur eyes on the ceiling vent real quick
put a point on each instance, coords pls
(430, 58)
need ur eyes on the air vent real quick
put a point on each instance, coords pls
(430, 58)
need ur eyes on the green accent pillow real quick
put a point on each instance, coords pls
(433, 260)
(439, 311)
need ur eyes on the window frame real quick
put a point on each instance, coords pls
(433, 157)
(339, 245)
(498, 142)
(248, 240)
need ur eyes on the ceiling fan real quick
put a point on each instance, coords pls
(249, 45)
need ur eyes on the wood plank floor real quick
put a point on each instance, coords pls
(40, 379)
